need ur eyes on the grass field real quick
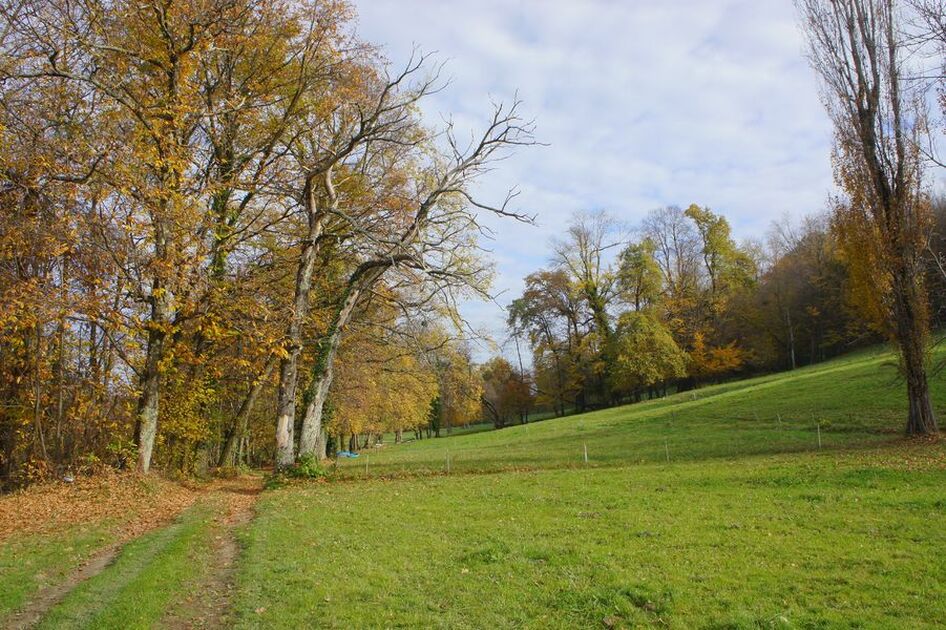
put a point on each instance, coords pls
(773, 541)
(713, 508)
(852, 402)
(787, 501)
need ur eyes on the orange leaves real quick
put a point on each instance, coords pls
(134, 503)
(711, 362)
(863, 252)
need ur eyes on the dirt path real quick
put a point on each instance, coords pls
(209, 604)
(30, 615)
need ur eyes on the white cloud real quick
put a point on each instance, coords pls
(643, 103)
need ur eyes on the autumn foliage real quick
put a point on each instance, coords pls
(198, 200)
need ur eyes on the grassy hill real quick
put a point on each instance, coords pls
(853, 402)
(717, 508)
(713, 508)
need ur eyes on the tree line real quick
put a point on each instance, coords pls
(228, 236)
(679, 302)
(624, 312)
(210, 210)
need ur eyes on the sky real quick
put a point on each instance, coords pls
(638, 103)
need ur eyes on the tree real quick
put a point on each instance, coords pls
(555, 318)
(144, 67)
(727, 267)
(329, 142)
(459, 385)
(199, 198)
(646, 354)
(428, 236)
(855, 48)
(677, 252)
(639, 280)
(802, 310)
(583, 256)
(506, 392)
(384, 386)
(189, 103)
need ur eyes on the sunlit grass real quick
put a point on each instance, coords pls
(715, 508)
(852, 402)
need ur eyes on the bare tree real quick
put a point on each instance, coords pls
(591, 239)
(677, 248)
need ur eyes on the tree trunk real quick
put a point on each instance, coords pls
(37, 391)
(309, 442)
(286, 410)
(791, 337)
(146, 429)
(323, 368)
(147, 422)
(162, 307)
(321, 444)
(911, 337)
(288, 367)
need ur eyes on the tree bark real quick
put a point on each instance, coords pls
(911, 337)
(147, 421)
(323, 369)
(286, 410)
(288, 366)
(146, 429)
(791, 337)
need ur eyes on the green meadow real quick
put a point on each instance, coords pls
(718, 508)
(786, 501)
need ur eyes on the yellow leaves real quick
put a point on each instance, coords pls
(379, 386)
(184, 405)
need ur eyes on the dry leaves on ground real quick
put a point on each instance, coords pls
(130, 502)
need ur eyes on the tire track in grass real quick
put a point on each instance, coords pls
(30, 615)
(210, 604)
(102, 591)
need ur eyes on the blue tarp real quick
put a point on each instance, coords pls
(347, 454)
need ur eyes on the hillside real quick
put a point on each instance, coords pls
(855, 401)
(749, 524)
(714, 508)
